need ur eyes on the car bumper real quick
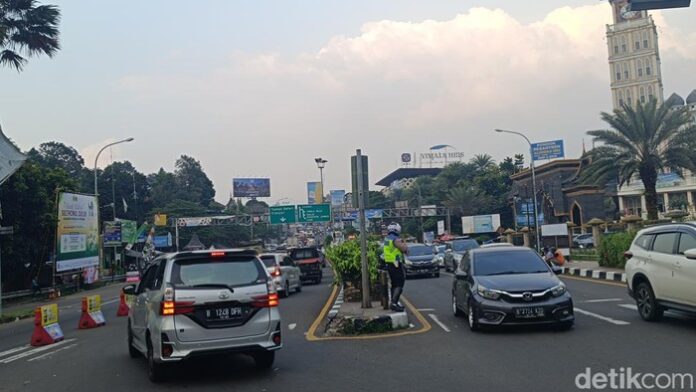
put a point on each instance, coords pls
(556, 310)
(418, 270)
(248, 344)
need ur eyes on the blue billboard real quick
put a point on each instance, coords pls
(525, 214)
(251, 187)
(548, 150)
(337, 197)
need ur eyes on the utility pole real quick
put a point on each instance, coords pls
(366, 299)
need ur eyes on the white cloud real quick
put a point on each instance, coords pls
(396, 86)
(89, 153)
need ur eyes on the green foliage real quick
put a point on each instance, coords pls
(345, 259)
(612, 247)
(584, 254)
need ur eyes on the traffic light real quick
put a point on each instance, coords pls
(644, 5)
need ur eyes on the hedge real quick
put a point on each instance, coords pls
(345, 259)
(612, 247)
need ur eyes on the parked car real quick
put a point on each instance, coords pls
(420, 260)
(283, 271)
(440, 251)
(496, 245)
(661, 269)
(191, 304)
(456, 249)
(583, 241)
(309, 261)
(509, 286)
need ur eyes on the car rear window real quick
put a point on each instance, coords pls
(269, 261)
(227, 271)
(645, 241)
(420, 250)
(300, 254)
(464, 245)
(508, 263)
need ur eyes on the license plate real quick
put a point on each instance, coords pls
(223, 313)
(529, 312)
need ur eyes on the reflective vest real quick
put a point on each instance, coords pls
(391, 252)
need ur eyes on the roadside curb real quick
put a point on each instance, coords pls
(336, 305)
(595, 274)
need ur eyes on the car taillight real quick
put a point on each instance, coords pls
(170, 308)
(276, 271)
(628, 255)
(266, 301)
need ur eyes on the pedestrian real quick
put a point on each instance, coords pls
(35, 287)
(394, 250)
(549, 256)
(558, 258)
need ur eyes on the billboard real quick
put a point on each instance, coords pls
(112, 233)
(129, 231)
(525, 213)
(555, 230)
(314, 193)
(251, 187)
(77, 232)
(337, 197)
(548, 150)
(480, 224)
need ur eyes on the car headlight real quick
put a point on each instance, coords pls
(559, 290)
(408, 262)
(488, 293)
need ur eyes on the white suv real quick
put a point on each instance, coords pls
(191, 304)
(661, 269)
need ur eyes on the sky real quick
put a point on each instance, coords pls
(261, 88)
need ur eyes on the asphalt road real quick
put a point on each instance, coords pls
(608, 334)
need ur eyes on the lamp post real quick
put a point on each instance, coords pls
(321, 163)
(534, 192)
(96, 189)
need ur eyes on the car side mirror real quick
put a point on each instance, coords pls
(129, 289)
(690, 254)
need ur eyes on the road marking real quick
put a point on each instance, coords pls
(113, 301)
(629, 306)
(438, 322)
(35, 351)
(592, 301)
(14, 350)
(426, 310)
(292, 326)
(600, 317)
(52, 352)
(606, 282)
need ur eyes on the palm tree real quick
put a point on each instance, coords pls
(643, 140)
(482, 162)
(467, 200)
(27, 30)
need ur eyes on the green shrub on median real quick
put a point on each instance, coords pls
(345, 259)
(612, 247)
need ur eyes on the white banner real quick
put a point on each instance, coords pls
(560, 229)
(440, 227)
(10, 158)
(193, 222)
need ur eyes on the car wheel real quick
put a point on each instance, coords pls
(437, 274)
(264, 359)
(286, 290)
(473, 319)
(648, 308)
(132, 351)
(155, 370)
(455, 308)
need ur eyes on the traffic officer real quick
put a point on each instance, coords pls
(394, 251)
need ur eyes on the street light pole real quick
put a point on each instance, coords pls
(96, 189)
(321, 163)
(534, 192)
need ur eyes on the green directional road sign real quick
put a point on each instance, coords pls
(307, 213)
(283, 214)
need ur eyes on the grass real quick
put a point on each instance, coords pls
(17, 314)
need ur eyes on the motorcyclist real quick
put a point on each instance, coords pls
(394, 250)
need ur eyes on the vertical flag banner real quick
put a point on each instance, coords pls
(314, 193)
(77, 232)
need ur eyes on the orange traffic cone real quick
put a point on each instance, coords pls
(122, 307)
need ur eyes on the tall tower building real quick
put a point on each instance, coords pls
(634, 56)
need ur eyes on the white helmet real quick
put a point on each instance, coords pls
(394, 228)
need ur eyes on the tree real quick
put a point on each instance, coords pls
(467, 200)
(120, 180)
(56, 154)
(482, 162)
(27, 30)
(162, 188)
(643, 141)
(192, 182)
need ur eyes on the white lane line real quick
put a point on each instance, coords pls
(603, 300)
(113, 301)
(426, 310)
(292, 326)
(14, 350)
(52, 352)
(438, 322)
(35, 351)
(600, 317)
(629, 306)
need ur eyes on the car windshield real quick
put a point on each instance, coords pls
(301, 254)
(464, 245)
(508, 263)
(269, 261)
(420, 250)
(227, 271)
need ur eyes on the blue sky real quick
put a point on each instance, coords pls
(259, 88)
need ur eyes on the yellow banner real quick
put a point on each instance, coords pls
(160, 219)
(93, 303)
(49, 314)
